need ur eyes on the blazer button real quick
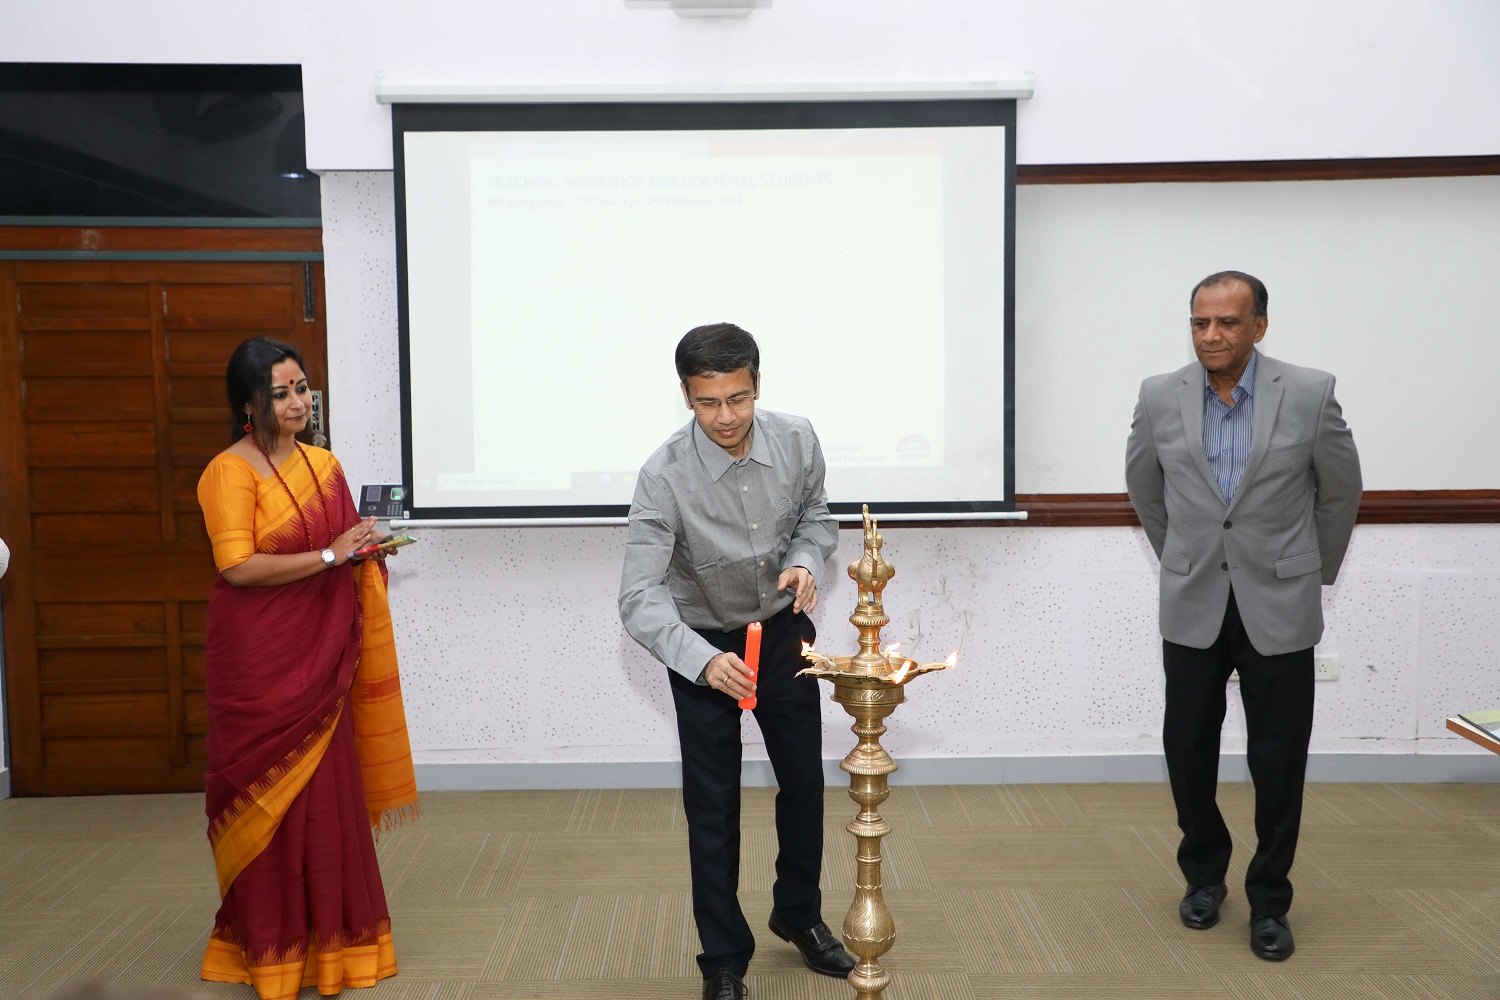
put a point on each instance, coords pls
(1223, 565)
(1228, 524)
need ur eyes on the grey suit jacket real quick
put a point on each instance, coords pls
(1289, 525)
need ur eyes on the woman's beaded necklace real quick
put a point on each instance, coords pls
(317, 488)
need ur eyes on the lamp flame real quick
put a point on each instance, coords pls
(817, 659)
(902, 671)
(952, 658)
(889, 650)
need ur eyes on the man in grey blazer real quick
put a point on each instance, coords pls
(1247, 482)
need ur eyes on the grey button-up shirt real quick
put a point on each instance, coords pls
(709, 536)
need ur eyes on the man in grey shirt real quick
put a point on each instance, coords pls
(728, 526)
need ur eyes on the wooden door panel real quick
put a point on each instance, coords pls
(133, 618)
(65, 668)
(68, 348)
(119, 753)
(185, 484)
(109, 575)
(97, 711)
(193, 617)
(196, 750)
(192, 665)
(71, 490)
(199, 397)
(64, 305)
(192, 532)
(130, 272)
(111, 403)
(101, 530)
(84, 445)
(199, 442)
(108, 399)
(195, 713)
(207, 348)
(229, 307)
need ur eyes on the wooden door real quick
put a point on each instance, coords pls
(112, 400)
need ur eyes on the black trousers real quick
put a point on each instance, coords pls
(1277, 692)
(708, 730)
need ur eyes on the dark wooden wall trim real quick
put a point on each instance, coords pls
(1257, 170)
(1098, 510)
(1430, 507)
(144, 238)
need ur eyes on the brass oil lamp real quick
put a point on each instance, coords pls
(869, 684)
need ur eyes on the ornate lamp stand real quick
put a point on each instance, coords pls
(869, 685)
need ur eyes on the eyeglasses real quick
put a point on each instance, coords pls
(706, 407)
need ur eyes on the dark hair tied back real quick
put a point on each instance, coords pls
(248, 381)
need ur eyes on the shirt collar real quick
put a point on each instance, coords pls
(1246, 382)
(718, 461)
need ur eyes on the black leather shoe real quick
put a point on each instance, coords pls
(1199, 909)
(821, 951)
(725, 985)
(1271, 937)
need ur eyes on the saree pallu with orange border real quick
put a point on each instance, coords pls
(307, 743)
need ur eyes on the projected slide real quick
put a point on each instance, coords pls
(550, 275)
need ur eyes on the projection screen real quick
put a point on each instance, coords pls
(551, 255)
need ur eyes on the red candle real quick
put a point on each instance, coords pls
(752, 659)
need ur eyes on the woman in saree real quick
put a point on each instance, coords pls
(307, 744)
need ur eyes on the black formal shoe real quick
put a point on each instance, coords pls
(820, 949)
(725, 985)
(1199, 909)
(1271, 937)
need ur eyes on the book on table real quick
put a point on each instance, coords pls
(1487, 720)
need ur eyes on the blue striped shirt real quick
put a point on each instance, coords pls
(1226, 429)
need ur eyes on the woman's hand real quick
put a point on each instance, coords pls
(265, 569)
(355, 538)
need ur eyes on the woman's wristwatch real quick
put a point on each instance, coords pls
(329, 558)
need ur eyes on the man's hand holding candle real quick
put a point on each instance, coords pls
(728, 673)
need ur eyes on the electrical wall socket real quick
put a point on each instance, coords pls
(1325, 668)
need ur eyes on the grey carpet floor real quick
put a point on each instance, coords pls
(998, 891)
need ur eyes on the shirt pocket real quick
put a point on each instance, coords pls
(786, 506)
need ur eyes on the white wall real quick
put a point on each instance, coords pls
(1374, 280)
(1147, 80)
(510, 645)
(512, 652)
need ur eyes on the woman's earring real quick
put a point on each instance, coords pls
(249, 427)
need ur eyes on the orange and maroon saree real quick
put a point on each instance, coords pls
(307, 743)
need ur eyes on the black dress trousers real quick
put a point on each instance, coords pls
(708, 730)
(1277, 692)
